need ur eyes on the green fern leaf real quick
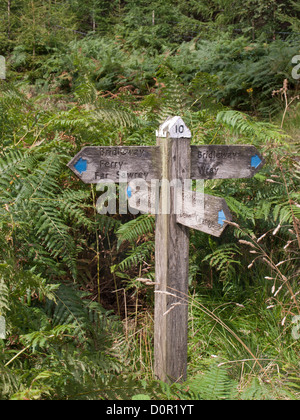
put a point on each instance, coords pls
(213, 385)
(137, 256)
(134, 229)
(242, 124)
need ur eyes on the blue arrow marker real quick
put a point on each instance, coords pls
(221, 217)
(129, 192)
(255, 161)
(81, 166)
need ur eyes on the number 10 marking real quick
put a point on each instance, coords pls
(180, 129)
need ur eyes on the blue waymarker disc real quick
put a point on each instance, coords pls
(221, 217)
(129, 192)
(81, 166)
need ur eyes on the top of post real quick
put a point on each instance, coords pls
(174, 127)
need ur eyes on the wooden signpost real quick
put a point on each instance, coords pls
(172, 159)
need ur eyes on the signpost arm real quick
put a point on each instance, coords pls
(171, 258)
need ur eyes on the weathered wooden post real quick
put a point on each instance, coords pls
(171, 256)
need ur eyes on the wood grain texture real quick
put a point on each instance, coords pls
(224, 161)
(205, 213)
(102, 163)
(171, 269)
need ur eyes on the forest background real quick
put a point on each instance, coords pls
(75, 286)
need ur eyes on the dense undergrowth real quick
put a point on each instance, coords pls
(75, 286)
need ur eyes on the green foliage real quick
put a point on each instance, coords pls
(137, 256)
(214, 385)
(223, 260)
(72, 342)
(247, 72)
(242, 124)
(29, 189)
(136, 228)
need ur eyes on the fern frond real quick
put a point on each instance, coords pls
(23, 282)
(86, 92)
(174, 95)
(32, 197)
(42, 339)
(41, 185)
(74, 206)
(113, 114)
(213, 385)
(70, 311)
(12, 166)
(134, 229)
(50, 229)
(89, 320)
(137, 256)
(223, 260)
(286, 212)
(256, 391)
(8, 382)
(242, 124)
(73, 119)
